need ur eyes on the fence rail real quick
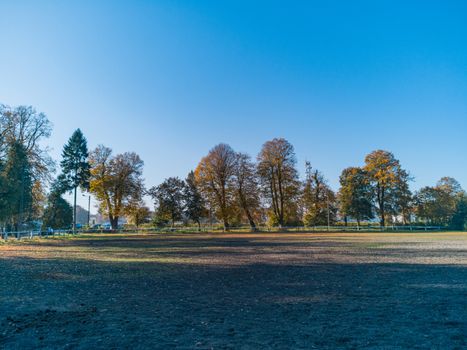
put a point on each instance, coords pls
(190, 229)
(33, 233)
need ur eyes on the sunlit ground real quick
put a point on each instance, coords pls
(329, 290)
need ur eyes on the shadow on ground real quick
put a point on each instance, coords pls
(76, 299)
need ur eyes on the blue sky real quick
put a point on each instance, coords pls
(170, 79)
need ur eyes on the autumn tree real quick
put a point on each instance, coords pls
(194, 203)
(75, 167)
(319, 201)
(169, 198)
(39, 199)
(279, 179)
(24, 125)
(450, 191)
(355, 195)
(459, 218)
(138, 213)
(214, 177)
(427, 206)
(388, 180)
(245, 182)
(116, 181)
(438, 204)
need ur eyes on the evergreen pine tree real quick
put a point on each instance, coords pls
(75, 167)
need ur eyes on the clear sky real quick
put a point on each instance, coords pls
(170, 79)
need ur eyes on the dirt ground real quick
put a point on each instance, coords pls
(236, 291)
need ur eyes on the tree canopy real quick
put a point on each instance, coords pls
(319, 201)
(388, 181)
(116, 181)
(195, 207)
(58, 214)
(169, 198)
(246, 186)
(355, 194)
(75, 166)
(214, 176)
(279, 179)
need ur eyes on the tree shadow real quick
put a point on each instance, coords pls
(261, 305)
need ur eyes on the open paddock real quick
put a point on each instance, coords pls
(239, 290)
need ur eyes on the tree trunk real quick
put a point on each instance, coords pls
(244, 205)
(114, 223)
(382, 220)
(281, 197)
(404, 218)
(74, 212)
(381, 203)
(275, 204)
(252, 224)
(226, 225)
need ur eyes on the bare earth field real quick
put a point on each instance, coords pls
(236, 291)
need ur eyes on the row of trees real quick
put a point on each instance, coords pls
(26, 174)
(235, 189)
(227, 186)
(270, 189)
(114, 180)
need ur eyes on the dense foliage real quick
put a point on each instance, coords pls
(116, 182)
(58, 213)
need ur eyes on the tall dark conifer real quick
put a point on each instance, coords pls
(17, 174)
(75, 167)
